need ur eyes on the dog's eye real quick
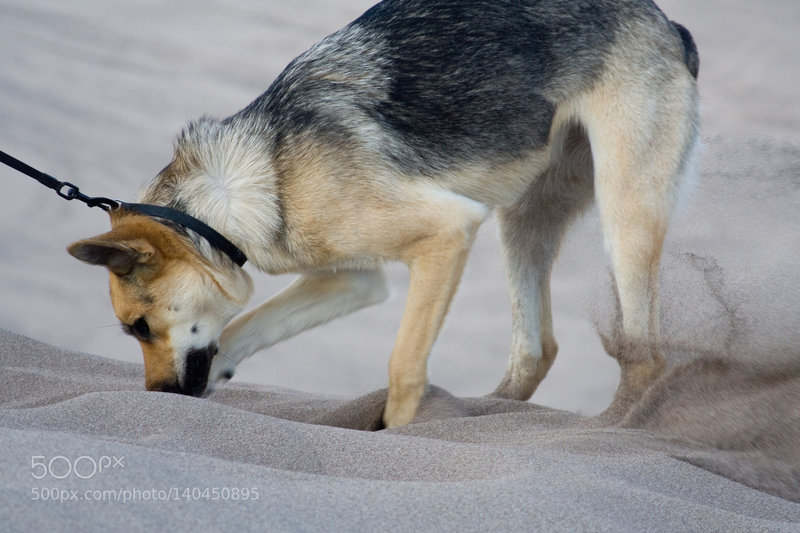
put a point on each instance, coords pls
(139, 329)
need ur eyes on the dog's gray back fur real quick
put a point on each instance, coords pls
(425, 87)
(442, 82)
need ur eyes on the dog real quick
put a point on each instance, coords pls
(392, 140)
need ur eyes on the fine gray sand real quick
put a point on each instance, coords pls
(94, 92)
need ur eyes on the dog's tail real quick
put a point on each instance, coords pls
(690, 55)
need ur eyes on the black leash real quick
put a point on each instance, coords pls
(64, 189)
(68, 191)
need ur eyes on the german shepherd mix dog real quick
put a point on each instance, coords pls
(392, 140)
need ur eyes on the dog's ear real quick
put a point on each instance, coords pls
(118, 255)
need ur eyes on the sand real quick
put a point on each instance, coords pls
(94, 93)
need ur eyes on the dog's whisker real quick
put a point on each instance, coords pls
(106, 326)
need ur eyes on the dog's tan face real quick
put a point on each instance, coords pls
(166, 295)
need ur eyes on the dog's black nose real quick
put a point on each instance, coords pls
(198, 364)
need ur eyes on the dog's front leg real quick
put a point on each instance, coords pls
(309, 301)
(433, 278)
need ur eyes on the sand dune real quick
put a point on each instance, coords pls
(94, 93)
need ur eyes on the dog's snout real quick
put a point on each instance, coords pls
(195, 374)
(198, 364)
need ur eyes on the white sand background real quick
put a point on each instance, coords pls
(94, 92)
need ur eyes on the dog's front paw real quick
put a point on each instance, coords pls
(222, 370)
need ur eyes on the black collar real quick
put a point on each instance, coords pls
(189, 222)
(68, 191)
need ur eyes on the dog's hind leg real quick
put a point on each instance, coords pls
(311, 300)
(642, 141)
(531, 231)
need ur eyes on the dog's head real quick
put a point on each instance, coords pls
(168, 296)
